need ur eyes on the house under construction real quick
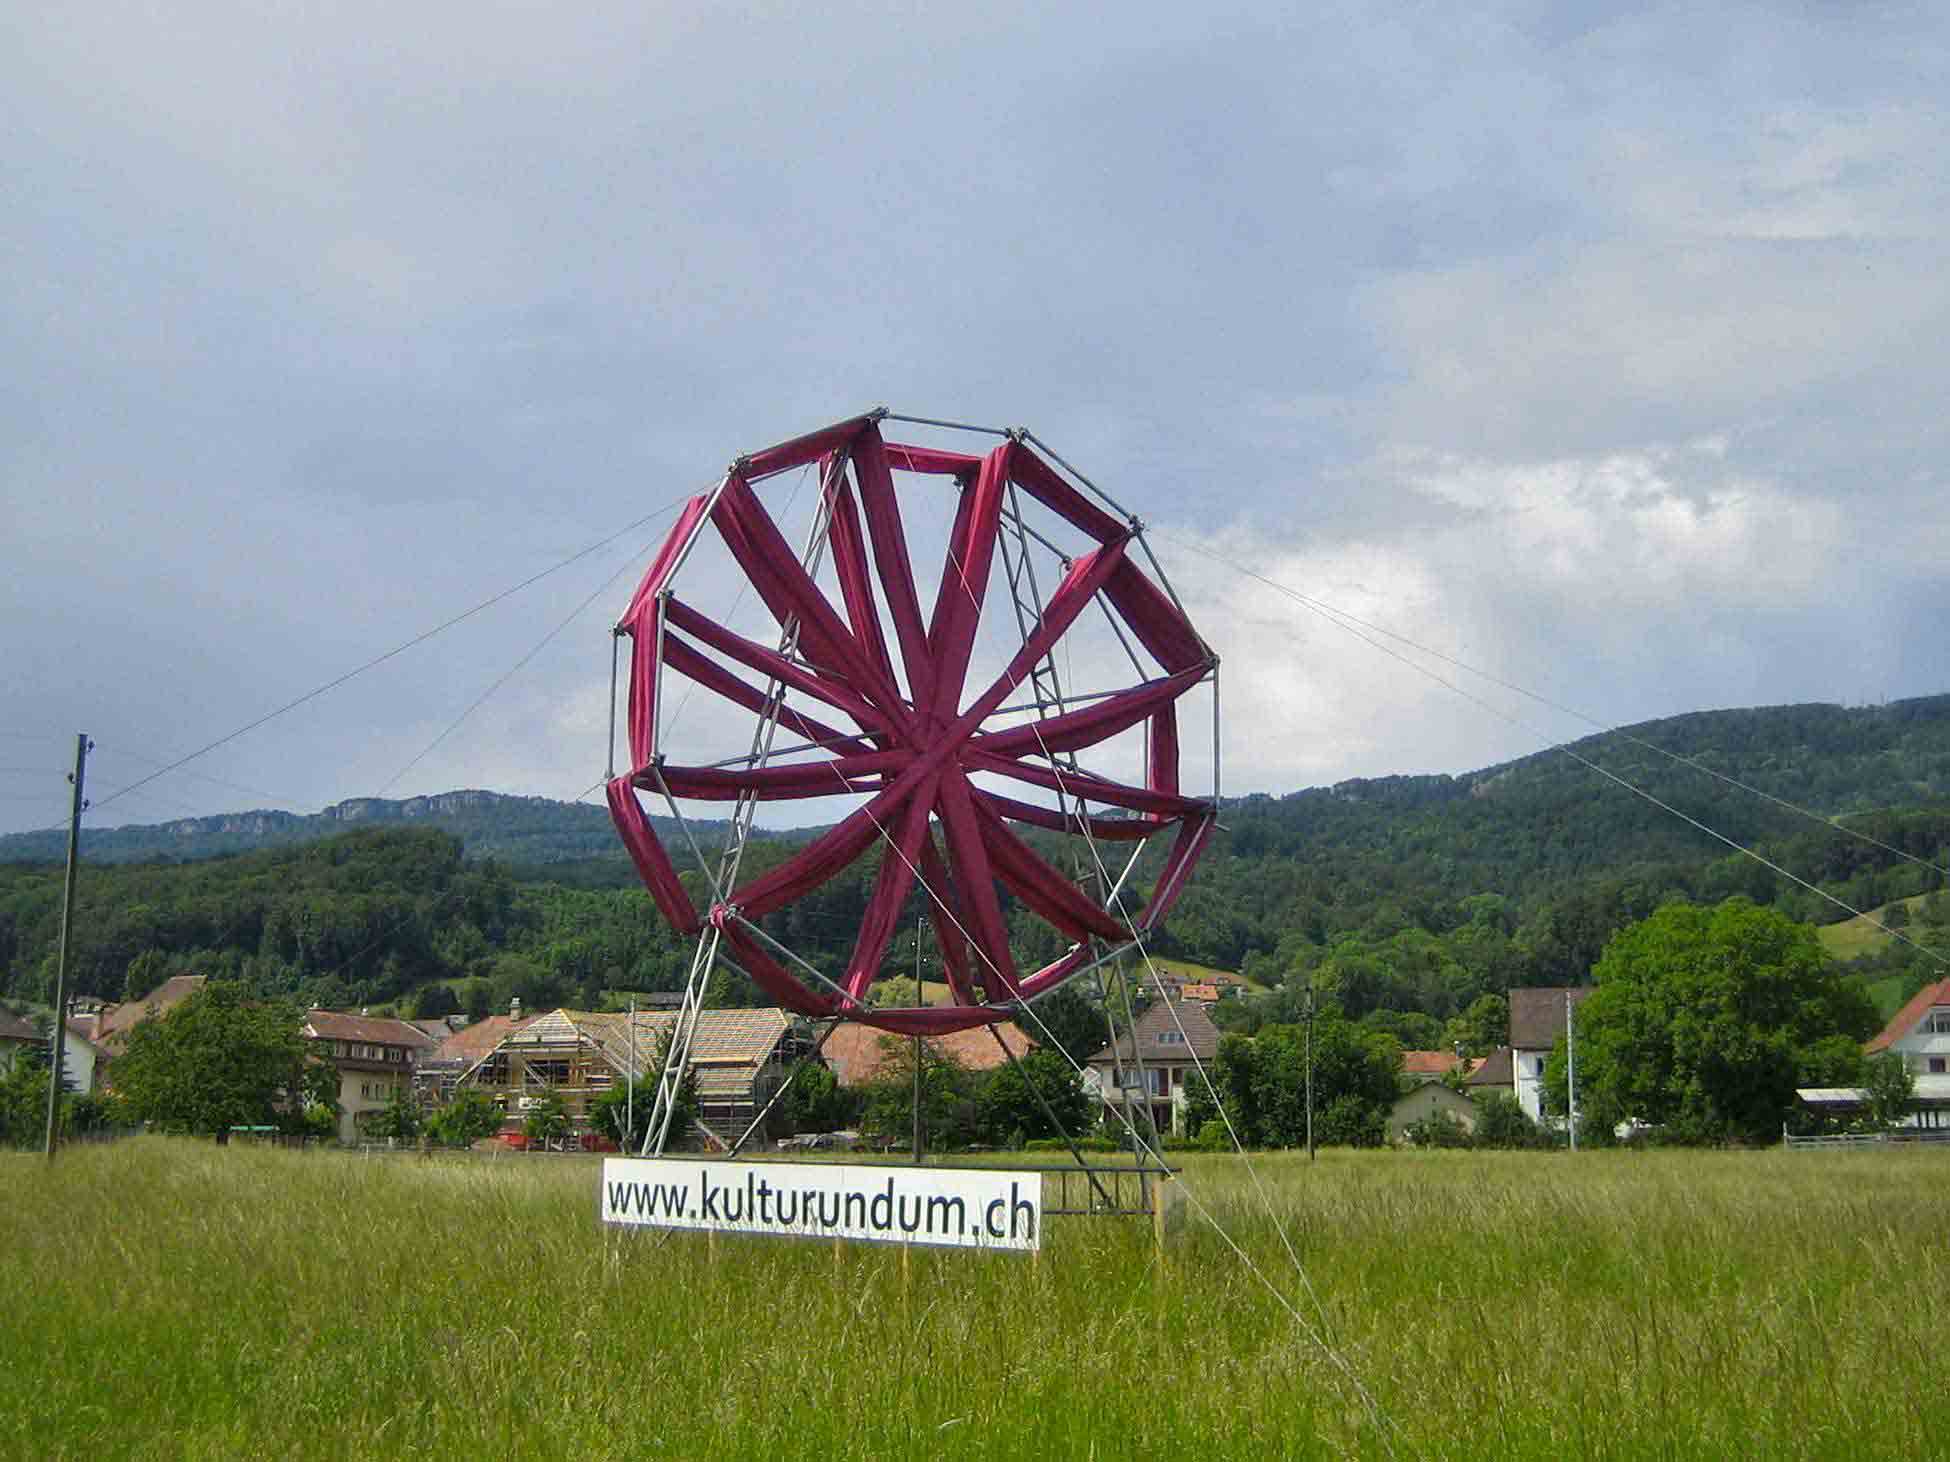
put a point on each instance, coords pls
(739, 1058)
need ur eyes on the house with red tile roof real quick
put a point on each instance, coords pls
(375, 1056)
(857, 1053)
(1920, 1032)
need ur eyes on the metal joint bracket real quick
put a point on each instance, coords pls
(1017, 434)
(879, 413)
(738, 465)
(1137, 526)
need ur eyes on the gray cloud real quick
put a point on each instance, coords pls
(1605, 351)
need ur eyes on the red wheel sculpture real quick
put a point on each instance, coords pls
(913, 747)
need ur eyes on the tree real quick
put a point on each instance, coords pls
(817, 1102)
(431, 1002)
(1502, 1122)
(1263, 1082)
(1481, 1028)
(23, 1099)
(1890, 1085)
(947, 1091)
(548, 1120)
(464, 1121)
(1006, 1105)
(1072, 1021)
(399, 1120)
(1706, 1019)
(218, 1060)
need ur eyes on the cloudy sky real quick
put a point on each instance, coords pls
(1602, 349)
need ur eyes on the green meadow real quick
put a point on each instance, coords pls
(172, 1299)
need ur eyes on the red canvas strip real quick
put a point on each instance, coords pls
(685, 660)
(1037, 478)
(1155, 620)
(1192, 838)
(1084, 786)
(1073, 595)
(890, 890)
(947, 917)
(882, 512)
(769, 663)
(1041, 887)
(975, 882)
(652, 863)
(965, 580)
(801, 450)
(1086, 726)
(849, 548)
(932, 460)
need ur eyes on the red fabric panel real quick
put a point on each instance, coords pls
(1074, 730)
(661, 566)
(681, 657)
(641, 707)
(932, 460)
(776, 574)
(936, 1020)
(890, 890)
(801, 450)
(850, 563)
(1048, 893)
(1104, 829)
(965, 579)
(652, 863)
(1155, 620)
(770, 663)
(825, 778)
(811, 866)
(946, 920)
(1085, 786)
(1073, 595)
(1037, 478)
(1193, 835)
(771, 976)
(882, 510)
(1164, 750)
(975, 883)
(1055, 972)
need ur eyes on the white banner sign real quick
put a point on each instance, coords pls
(967, 1208)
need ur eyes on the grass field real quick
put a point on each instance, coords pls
(172, 1299)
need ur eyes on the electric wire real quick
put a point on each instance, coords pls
(1334, 613)
(515, 669)
(397, 650)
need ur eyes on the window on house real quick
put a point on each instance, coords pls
(1938, 1024)
(1158, 1081)
(1936, 1065)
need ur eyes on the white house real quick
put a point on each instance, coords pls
(1920, 1032)
(1537, 1022)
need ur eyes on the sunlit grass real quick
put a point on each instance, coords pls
(172, 1299)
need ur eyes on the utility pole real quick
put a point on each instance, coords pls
(82, 746)
(1571, 1071)
(629, 1094)
(1310, 1069)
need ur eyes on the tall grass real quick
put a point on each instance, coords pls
(171, 1299)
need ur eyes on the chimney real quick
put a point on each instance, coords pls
(514, 1008)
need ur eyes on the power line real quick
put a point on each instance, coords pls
(513, 670)
(1343, 618)
(397, 650)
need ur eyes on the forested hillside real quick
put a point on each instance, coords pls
(1410, 894)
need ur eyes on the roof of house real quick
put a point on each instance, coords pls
(856, 1053)
(726, 1048)
(1429, 1063)
(13, 1028)
(1496, 1069)
(113, 1027)
(1928, 1092)
(1910, 1016)
(1157, 1036)
(1537, 1014)
(331, 1025)
(472, 1042)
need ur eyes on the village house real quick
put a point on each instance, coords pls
(375, 1057)
(738, 1060)
(1920, 1032)
(857, 1054)
(1537, 1018)
(1426, 1099)
(1155, 1072)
